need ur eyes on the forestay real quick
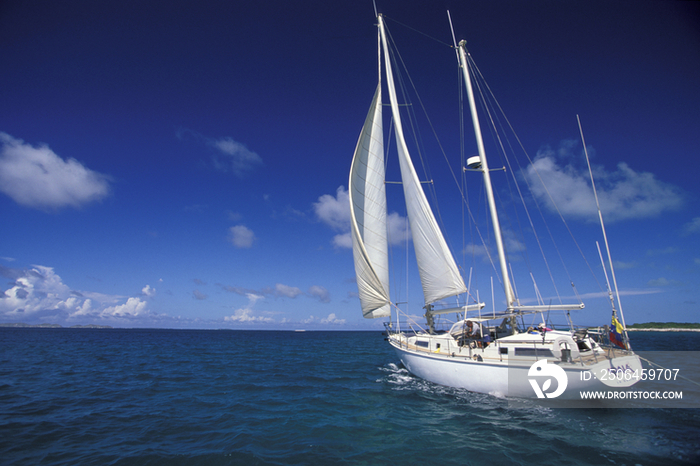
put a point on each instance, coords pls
(437, 268)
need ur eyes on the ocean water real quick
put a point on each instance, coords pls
(206, 397)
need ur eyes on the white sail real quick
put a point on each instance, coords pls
(437, 268)
(368, 215)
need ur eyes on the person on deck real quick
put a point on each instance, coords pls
(474, 332)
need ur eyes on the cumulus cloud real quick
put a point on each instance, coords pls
(488, 254)
(34, 176)
(332, 319)
(692, 227)
(133, 307)
(398, 231)
(148, 291)
(36, 290)
(279, 291)
(334, 211)
(320, 293)
(234, 156)
(39, 293)
(246, 314)
(623, 194)
(241, 236)
(286, 291)
(199, 295)
(662, 281)
(229, 155)
(343, 240)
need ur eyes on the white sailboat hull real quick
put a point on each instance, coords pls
(475, 371)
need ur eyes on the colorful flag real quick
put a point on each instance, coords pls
(616, 334)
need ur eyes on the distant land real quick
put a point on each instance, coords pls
(22, 325)
(665, 327)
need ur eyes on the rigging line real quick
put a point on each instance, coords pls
(664, 368)
(605, 236)
(556, 207)
(396, 55)
(497, 137)
(517, 186)
(398, 59)
(463, 189)
(419, 32)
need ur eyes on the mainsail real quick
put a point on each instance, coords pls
(437, 268)
(368, 215)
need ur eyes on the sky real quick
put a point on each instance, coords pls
(185, 164)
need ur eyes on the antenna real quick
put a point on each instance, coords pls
(374, 3)
(454, 41)
(605, 236)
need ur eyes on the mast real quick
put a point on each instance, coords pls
(510, 296)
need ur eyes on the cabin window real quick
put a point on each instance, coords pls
(543, 353)
(503, 350)
(422, 343)
(582, 346)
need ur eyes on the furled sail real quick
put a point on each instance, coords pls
(437, 268)
(368, 215)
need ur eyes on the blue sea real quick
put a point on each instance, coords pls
(220, 397)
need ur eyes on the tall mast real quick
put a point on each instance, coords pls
(510, 297)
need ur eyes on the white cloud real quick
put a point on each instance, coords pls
(133, 307)
(245, 314)
(39, 293)
(241, 236)
(512, 244)
(38, 178)
(343, 240)
(662, 281)
(332, 319)
(661, 252)
(476, 250)
(278, 291)
(623, 194)
(199, 295)
(334, 211)
(692, 227)
(35, 290)
(230, 155)
(286, 291)
(148, 291)
(236, 156)
(398, 231)
(619, 265)
(320, 293)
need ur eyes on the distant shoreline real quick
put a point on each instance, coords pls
(22, 325)
(663, 329)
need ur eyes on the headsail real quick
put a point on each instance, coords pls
(368, 215)
(437, 268)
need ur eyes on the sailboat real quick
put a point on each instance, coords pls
(495, 353)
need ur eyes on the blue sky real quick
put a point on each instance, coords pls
(185, 164)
